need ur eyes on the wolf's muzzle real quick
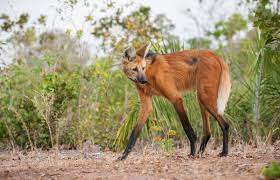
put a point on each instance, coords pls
(142, 80)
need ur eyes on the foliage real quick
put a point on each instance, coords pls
(115, 29)
(65, 106)
(199, 43)
(167, 144)
(235, 23)
(56, 92)
(268, 21)
(273, 171)
(267, 65)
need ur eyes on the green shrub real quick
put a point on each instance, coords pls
(272, 172)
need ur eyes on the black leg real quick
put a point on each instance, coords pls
(203, 144)
(206, 128)
(225, 127)
(178, 105)
(146, 109)
(131, 142)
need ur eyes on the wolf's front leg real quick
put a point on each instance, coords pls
(145, 111)
(131, 142)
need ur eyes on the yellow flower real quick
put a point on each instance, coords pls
(171, 133)
(156, 128)
(157, 139)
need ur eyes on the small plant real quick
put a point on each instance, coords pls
(167, 144)
(272, 172)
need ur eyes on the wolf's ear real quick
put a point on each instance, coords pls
(130, 53)
(143, 50)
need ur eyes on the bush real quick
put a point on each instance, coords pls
(52, 102)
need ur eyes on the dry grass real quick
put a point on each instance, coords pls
(244, 162)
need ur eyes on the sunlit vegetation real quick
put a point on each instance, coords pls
(57, 92)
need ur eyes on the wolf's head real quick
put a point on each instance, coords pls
(134, 63)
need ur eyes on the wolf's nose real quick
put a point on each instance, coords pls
(142, 80)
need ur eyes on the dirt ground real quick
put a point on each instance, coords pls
(243, 162)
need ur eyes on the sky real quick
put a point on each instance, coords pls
(186, 23)
(173, 9)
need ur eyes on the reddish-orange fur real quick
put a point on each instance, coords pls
(169, 75)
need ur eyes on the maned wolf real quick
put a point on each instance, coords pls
(168, 75)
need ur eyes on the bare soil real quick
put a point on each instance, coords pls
(243, 162)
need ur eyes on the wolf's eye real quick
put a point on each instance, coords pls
(134, 69)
